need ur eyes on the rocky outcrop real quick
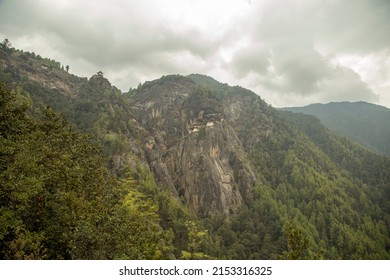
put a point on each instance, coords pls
(191, 148)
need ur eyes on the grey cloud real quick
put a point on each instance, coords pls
(283, 46)
(114, 41)
(304, 73)
(292, 66)
(301, 66)
(292, 32)
(254, 57)
(357, 26)
(344, 85)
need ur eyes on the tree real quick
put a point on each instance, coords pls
(6, 44)
(67, 68)
(197, 240)
(297, 244)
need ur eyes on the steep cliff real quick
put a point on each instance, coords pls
(191, 145)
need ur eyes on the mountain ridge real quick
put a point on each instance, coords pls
(335, 103)
(362, 122)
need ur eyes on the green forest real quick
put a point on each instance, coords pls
(76, 181)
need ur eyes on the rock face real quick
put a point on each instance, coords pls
(191, 145)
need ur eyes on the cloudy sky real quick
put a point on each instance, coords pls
(289, 52)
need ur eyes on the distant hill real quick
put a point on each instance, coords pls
(365, 123)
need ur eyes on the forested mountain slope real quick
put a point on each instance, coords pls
(216, 171)
(365, 123)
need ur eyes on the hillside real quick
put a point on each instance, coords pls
(362, 122)
(211, 170)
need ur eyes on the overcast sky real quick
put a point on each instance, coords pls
(289, 52)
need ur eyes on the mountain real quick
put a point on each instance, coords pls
(365, 123)
(189, 168)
